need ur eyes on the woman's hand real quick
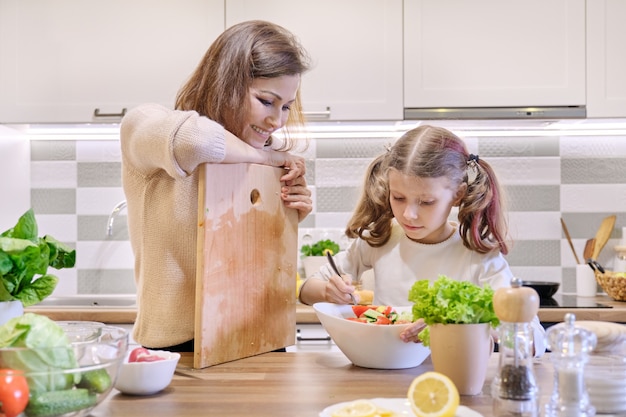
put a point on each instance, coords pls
(338, 289)
(410, 333)
(297, 195)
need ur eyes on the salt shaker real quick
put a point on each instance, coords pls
(514, 388)
(570, 346)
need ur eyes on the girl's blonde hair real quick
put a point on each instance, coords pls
(218, 88)
(431, 152)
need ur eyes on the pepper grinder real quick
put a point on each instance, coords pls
(514, 388)
(570, 346)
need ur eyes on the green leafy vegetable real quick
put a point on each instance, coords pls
(320, 248)
(24, 256)
(52, 352)
(448, 301)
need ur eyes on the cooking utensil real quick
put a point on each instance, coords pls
(569, 240)
(588, 255)
(603, 234)
(545, 289)
(331, 261)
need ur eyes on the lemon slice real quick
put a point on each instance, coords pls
(432, 394)
(359, 408)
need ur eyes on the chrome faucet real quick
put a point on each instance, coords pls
(116, 210)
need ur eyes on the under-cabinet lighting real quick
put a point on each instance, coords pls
(365, 130)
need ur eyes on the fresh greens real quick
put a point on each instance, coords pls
(449, 301)
(23, 256)
(51, 352)
(320, 248)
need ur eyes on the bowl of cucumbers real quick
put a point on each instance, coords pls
(67, 368)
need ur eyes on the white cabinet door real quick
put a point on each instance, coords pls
(356, 49)
(494, 53)
(606, 58)
(61, 60)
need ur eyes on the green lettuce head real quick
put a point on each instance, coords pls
(51, 352)
(447, 301)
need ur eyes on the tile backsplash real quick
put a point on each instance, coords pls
(75, 184)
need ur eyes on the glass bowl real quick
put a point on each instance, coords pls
(70, 381)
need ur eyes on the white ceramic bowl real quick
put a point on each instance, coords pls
(370, 345)
(147, 378)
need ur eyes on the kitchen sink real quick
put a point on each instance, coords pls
(89, 301)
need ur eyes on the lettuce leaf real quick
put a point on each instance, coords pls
(448, 301)
(24, 262)
(51, 351)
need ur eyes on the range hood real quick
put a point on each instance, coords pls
(490, 113)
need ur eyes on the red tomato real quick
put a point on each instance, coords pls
(382, 320)
(360, 320)
(359, 310)
(141, 354)
(13, 392)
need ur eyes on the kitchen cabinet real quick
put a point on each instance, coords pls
(606, 61)
(86, 60)
(356, 51)
(490, 53)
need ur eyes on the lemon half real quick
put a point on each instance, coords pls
(432, 394)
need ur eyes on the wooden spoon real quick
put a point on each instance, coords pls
(590, 244)
(588, 254)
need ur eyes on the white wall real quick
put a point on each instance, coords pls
(14, 176)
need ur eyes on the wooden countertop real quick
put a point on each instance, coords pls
(102, 314)
(288, 385)
(306, 314)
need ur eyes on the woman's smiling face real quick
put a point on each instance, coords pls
(270, 100)
(422, 205)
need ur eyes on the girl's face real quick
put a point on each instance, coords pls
(422, 205)
(269, 101)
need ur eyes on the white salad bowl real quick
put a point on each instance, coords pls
(370, 345)
(147, 378)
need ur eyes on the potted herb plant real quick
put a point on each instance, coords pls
(314, 255)
(459, 316)
(24, 262)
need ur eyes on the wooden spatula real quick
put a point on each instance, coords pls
(603, 234)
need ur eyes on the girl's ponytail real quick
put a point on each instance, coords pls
(482, 224)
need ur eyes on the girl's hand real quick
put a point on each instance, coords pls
(410, 333)
(297, 195)
(338, 289)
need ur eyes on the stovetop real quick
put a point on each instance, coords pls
(570, 301)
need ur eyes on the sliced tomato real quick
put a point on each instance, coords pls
(358, 310)
(360, 320)
(382, 320)
(388, 311)
(141, 354)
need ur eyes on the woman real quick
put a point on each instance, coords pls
(244, 89)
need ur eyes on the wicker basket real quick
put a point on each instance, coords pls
(613, 283)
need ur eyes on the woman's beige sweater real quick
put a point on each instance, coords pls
(161, 151)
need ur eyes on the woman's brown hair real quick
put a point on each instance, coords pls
(254, 49)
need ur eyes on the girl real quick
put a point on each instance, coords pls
(402, 229)
(244, 89)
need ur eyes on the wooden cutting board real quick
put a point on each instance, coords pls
(247, 264)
